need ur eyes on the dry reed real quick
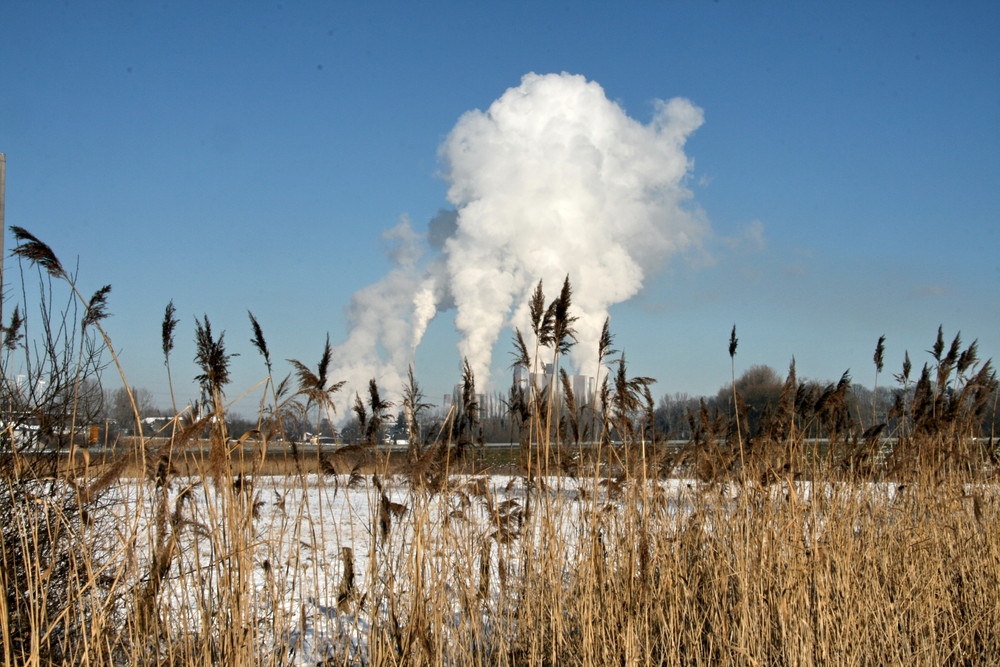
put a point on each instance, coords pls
(740, 548)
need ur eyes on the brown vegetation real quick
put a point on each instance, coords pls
(752, 544)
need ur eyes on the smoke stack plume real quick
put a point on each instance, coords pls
(553, 180)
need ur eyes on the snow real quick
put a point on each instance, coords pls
(285, 550)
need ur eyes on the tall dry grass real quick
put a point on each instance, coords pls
(739, 548)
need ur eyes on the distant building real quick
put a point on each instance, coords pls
(582, 386)
(455, 397)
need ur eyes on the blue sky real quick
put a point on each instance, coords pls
(249, 156)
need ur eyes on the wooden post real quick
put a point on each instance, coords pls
(3, 229)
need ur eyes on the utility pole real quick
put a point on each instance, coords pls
(3, 228)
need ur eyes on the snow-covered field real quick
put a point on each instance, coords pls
(288, 546)
(427, 569)
(314, 567)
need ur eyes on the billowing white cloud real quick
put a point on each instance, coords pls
(552, 180)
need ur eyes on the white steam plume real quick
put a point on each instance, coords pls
(379, 344)
(552, 180)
